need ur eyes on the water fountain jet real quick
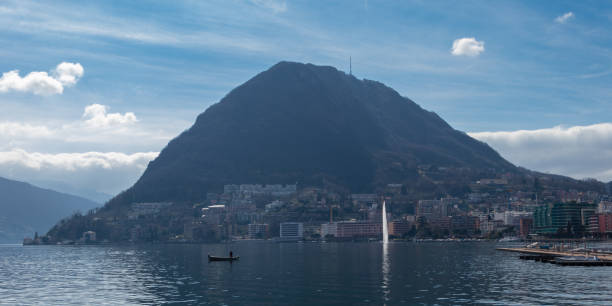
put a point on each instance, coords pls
(385, 225)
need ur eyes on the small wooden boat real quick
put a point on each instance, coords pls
(217, 258)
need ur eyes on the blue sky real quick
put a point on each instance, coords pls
(166, 61)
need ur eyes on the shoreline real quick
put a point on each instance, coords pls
(416, 241)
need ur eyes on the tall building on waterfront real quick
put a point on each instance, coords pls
(358, 229)
(291, 231)
(352, 229)
(550, 219)
(258, 231)
(525, 226)
(542, 221)
(600, 224)
(400, 228)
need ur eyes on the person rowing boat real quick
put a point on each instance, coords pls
(217, 258)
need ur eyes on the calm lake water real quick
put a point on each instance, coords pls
(271, 273)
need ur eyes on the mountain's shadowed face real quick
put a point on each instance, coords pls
(313, 125)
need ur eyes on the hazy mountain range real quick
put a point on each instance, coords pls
(25, 209)
(64, 187)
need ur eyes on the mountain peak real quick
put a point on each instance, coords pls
(313, 125)
(297, 66)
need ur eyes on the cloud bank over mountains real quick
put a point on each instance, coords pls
(96, 126)
(578, 151)
(41, 82)
(53, 155)
(76, 161)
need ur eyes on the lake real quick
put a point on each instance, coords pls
(270, 273)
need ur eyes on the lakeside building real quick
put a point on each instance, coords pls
(511, 217)
(549, 219)
(329, 229)
(542, 222)
(468, 224)
(525, 226)
(604, 207)
(312, 230)
(586, 213)
(214, 214)
(440, 223)
(400, 227)
(432, 209)
(89, 236)
(352, 229)
(258, 230)
(600, 224)
(358, 229)
(487, 224)
(292, 231)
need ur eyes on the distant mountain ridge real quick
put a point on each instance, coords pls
(309, 124)
(64, 187)
(25, 209)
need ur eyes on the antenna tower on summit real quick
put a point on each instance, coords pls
(350, 66)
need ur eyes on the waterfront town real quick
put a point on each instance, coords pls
(494, 208)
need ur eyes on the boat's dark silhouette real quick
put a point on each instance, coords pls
(218, 258)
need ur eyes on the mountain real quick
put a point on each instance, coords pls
(25, 209)
(313, 125)
(64, 187)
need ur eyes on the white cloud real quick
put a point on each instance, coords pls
(40, 82)
(467, 46)
(578, 151)
(75, 161)
(565, 17)
(87, 174)
(68, 73)
(96, 116)
(96, 125)
(23, 130)
(81, 155)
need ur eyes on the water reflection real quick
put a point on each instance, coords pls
(386, 267)
(293, 274)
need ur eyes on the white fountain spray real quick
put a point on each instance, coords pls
(386, 264)
(385, 225)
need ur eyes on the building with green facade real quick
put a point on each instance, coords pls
(559, 217)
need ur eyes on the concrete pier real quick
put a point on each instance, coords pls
(557, 253)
